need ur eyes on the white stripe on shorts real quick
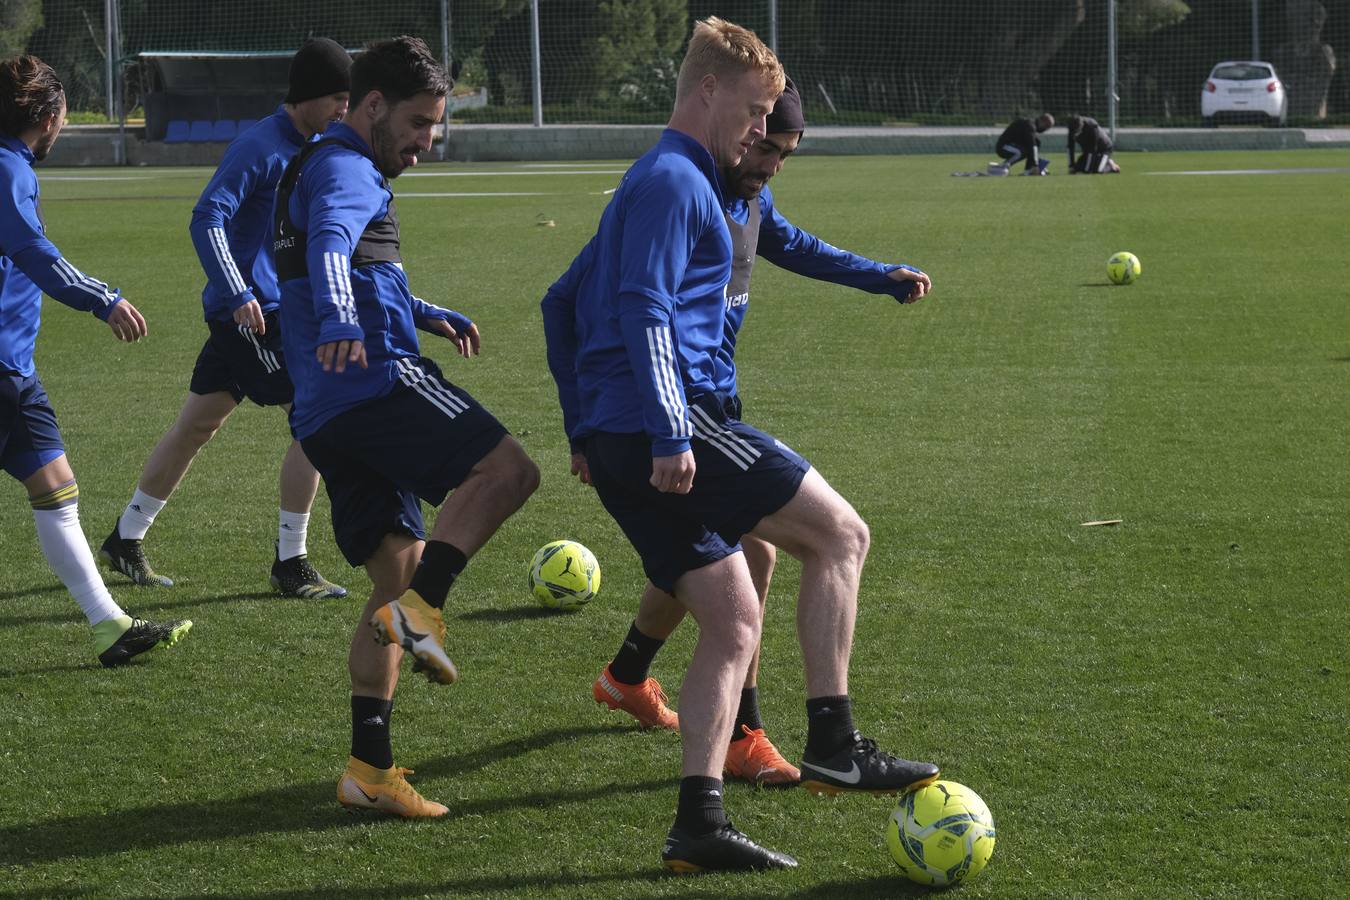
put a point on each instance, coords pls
(736, 448)
(435, 393)
(266, 357)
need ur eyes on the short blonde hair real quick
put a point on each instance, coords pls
(726, 50)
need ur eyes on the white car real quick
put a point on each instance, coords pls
(1246, 89)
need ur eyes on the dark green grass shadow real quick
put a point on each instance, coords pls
(144, 610)
(301, 807)
(511, 614)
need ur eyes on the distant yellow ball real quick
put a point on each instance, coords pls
(1123, 268)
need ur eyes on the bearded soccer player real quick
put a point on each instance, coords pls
(379, 421)
(243, 356)
(757, 227)
(684, 477)
(32, 112)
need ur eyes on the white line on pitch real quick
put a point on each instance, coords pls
(1326, 171)
(515, 173)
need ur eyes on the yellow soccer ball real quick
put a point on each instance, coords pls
(941, 834)
(564, 575)
(1123, 268)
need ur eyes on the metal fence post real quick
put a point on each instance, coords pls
(1112, 99)
(445, 63)
(534, 65)
(1256, 29)
(773, 25)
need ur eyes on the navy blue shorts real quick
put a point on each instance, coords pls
(29, 436)
(742, 475)
(244, 364)
(377, 459)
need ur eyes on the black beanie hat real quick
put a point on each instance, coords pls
(319, 68)
(787, 112)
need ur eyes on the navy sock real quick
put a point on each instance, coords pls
(829, 725)
(370, 731)
(700, 810)
(440, 565)
(747, 714)
(634, 660)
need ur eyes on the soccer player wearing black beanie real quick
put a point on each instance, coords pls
(242, 356)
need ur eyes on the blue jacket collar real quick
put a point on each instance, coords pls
(287, 126)
(18, 147)
(347, 135)
(700, 156)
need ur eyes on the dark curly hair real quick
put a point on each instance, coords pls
(29, 93)
(398, 68)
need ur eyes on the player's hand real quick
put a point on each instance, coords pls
(336, 354)
(250, 316)
(581, 468)
(127, 322)
(922, 283)
(466, 340)
(673, 474)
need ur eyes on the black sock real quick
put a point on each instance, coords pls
(700, 810)
(829, 725)
(634, 659)
(440, 566)
(370, 731)
(747, 714)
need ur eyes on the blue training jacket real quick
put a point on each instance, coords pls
(780, 242)
(232, 222)
(338, 195)
(649, 299)
(30, 265)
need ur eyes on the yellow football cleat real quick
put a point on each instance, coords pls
(363, 786)
(418, 628)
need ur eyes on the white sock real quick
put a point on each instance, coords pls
(68, 554)
(291, 534)
(139, 516)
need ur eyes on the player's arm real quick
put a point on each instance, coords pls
(339, 197)
(789, 247)
(454, 327)
(235, 179)
(661, 226)
(23, 240)
(560, 338)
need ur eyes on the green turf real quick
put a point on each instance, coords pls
(1151, 710)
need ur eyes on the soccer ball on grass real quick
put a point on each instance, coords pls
(1123, 268)
(564, 575)
(941, 834)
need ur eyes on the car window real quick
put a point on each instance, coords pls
(1242, 72)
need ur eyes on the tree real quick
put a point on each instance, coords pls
(18, 20)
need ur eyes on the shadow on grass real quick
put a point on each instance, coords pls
(511, 614)
(876, 888)
(301, 807)
(21, 593)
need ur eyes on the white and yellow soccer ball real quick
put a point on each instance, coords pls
(941, 834)
(564, 575)
(1123, 268)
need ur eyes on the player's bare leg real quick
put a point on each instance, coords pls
(495, 487)
(821, 529)
(292, 572)
(371, 780)
(198, 421)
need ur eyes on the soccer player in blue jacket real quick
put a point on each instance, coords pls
(683, 476)
(757, 227)
(32, 112)
(380, 422)
(243, 357)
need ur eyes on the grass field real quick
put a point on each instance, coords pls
(1155, 709)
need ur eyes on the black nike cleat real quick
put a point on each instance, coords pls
(297, 577)
(136, 638)
(723, 850)
(860, 766)
(128, 557)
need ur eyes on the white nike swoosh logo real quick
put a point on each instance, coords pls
(853, 776)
